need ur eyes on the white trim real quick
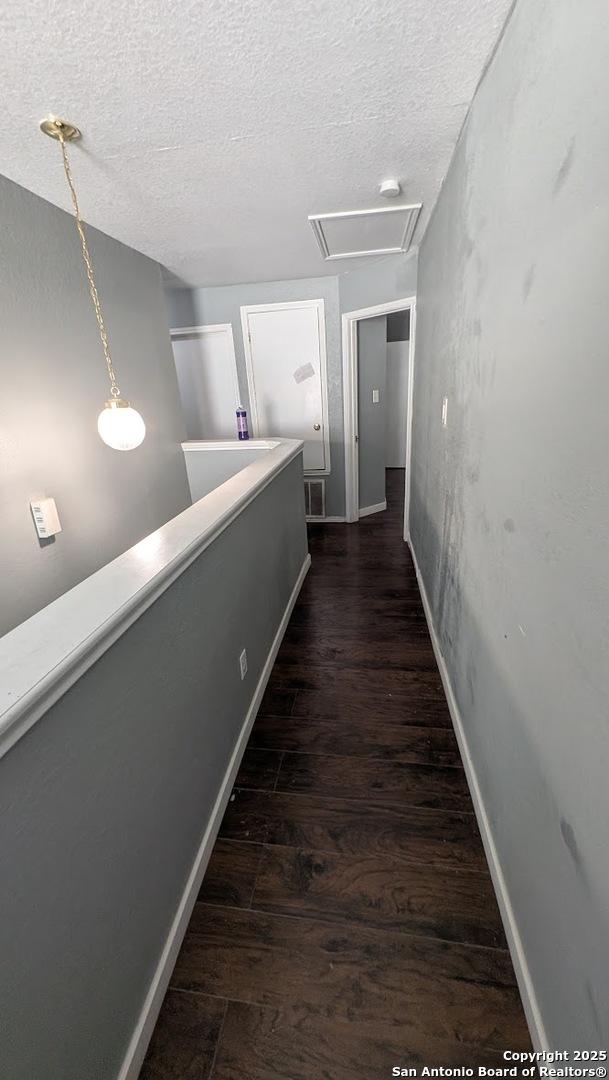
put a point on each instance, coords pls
(365, 511)
(144, 1028)
(316, 222)
(44, 656)
(213, 328)
(229, 444)
(516, 947)
(350, 412)
(208, 328)
(409, 419)
(287, 305)
(350, 418)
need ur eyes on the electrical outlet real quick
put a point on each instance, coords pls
(444, 411)
(243, 664)
(376, 397)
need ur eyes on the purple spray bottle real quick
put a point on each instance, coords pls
(242, 432)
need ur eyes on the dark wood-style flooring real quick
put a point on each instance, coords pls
(347, 922)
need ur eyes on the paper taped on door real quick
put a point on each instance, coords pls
(307, 371)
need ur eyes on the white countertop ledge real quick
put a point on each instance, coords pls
(232, 444)
(44, 656)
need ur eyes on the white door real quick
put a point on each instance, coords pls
(397, 403)
(285, 351)
(207, 379)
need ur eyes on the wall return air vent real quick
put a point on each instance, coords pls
(315, 499)
(350, 233)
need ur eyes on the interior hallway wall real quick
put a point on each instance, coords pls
(54, 384)
(509, 512)
(393, 277)
(377, 281)
(396, 395)
(398, 363)
(222, 304)
(372, 416)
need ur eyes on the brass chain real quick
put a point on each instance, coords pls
(114, 390)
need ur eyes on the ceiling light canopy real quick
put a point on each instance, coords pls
(119, 425)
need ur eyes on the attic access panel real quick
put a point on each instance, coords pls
(383, 231)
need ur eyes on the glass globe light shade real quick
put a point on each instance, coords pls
(120, 426)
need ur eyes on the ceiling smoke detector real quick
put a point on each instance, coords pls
(390, 189)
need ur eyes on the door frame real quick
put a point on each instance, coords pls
(213, 328)
(350, 320)
(285, 305)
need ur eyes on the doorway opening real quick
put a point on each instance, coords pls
(378, 395)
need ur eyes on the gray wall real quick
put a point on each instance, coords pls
(510, 518)
(103, 804)
(396, 394)
(393, 277)
(54, 384)
(377, 281)
(372, 418)
(398, 326)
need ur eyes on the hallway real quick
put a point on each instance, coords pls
(347, 922)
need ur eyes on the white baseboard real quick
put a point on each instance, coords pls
(519, 960)
(326, 520)
(365, 510)
(138, 1045)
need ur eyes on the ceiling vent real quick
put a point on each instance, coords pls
(350, 233)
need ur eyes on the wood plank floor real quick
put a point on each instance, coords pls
(347, 921)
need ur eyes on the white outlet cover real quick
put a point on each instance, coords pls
(376, 397)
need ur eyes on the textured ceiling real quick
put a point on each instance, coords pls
(213, 129)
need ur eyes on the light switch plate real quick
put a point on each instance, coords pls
(444, 411)
(376, 397)
(46, 518)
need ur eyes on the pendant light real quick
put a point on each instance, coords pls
(119, 425)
